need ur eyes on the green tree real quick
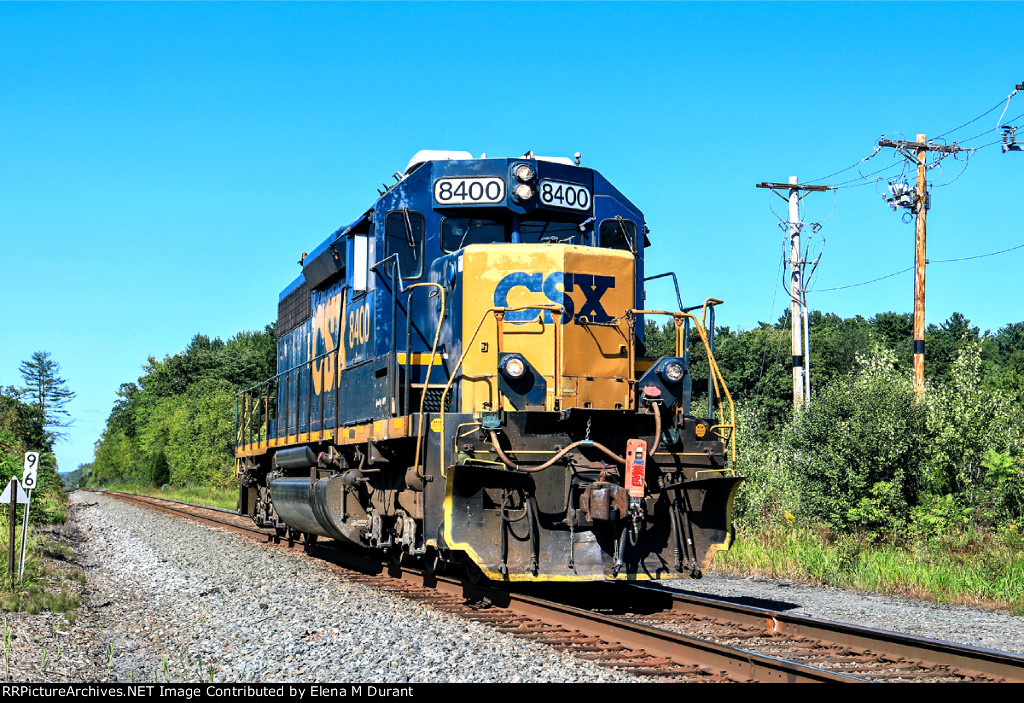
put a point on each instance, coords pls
(22, 430)
(47, 391)
(177, 421)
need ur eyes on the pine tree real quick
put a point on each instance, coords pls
(46, 390)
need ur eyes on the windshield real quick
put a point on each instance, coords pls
(459, 232)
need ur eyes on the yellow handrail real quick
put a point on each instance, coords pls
(430, 365)
(715, 373)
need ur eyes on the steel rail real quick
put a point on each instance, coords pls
(968, 660)
(738, 664)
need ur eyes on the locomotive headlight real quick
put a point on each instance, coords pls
(513, 366)
(523, 191)
(524, 173)
(672, 371)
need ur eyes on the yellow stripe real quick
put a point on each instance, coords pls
(381, 429)
(420, 358)
(643, 365)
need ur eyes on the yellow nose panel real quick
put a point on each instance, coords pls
(570, 323)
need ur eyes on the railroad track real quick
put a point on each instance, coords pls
(654, 631)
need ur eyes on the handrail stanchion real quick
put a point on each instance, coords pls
(711, 351)
(407, 391)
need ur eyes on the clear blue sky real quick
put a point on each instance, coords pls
(162, 166)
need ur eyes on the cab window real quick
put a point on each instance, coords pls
(534, 231)
(618, 233)
(459, 232)
(403, 234)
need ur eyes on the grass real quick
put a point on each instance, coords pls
(979, 569)
(43, 586)
(200, 495)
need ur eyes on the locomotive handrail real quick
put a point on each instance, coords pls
(714, 373)
(675, 283)
(430, 366)
(468, 345)
(299, 370)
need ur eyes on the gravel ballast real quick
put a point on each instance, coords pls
(169, 600)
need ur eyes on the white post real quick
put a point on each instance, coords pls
(795, 293)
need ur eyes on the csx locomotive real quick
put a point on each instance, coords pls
(462, 379)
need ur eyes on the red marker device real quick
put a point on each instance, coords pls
(636, 468)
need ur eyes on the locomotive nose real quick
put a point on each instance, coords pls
(555, 308)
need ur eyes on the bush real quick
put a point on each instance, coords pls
(857, 450)
(770, 489)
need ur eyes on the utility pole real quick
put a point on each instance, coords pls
(797, 294)
(917, 202)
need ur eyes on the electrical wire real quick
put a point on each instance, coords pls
(856, 182)
(979, 256)
(782, 223)
(1008, 99)
(994, 107)
(862, 283)
(911, 268)
(967, 162)
(843, 170)
(852, 183)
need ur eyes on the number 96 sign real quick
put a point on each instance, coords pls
(28, 479)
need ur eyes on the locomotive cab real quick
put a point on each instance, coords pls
(460, 378)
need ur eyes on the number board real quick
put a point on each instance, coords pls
(28, 479)
(567, 195)
(481, 190)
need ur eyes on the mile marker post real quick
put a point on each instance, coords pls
(13, 519)
(28, 479)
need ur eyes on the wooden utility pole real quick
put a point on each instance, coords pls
(798, 298)
(920, 260)
(918, 153)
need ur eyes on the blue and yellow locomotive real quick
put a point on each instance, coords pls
(462, 378)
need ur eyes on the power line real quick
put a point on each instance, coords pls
(990, 110)
(930, 261)
(979, 256)
(863, 283)
(843, 170)
(854, 182)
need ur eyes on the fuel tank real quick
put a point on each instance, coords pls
(317, 508)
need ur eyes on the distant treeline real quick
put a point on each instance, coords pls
(867, 456)
(757, 363)
(176, 423)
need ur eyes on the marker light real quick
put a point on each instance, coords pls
(513, 366)
(524, 173)
(672, 371)
(523, 191)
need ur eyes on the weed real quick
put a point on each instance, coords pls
(975, 568)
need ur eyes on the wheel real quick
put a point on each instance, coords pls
(433, 562)
(473, 572)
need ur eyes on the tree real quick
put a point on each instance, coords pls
(47, 391)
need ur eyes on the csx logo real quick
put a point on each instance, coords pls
(592, 286)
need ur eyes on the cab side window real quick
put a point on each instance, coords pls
(403, 235)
